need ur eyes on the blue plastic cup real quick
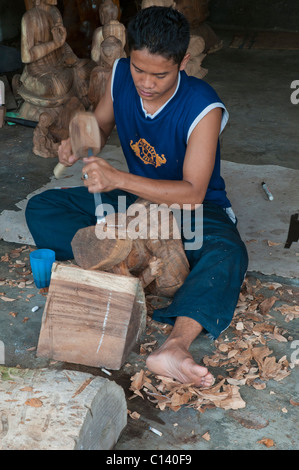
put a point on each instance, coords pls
(41, 264)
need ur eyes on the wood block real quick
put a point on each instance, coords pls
(45, 409)
(91, 317)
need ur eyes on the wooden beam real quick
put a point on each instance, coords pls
(45, 409)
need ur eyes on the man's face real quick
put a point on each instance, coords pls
(154, 76)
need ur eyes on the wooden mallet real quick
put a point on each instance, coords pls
(85, 141)
(85, 138)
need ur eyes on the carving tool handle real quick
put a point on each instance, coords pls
(59, 170)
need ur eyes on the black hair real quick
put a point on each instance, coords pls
(161, 30)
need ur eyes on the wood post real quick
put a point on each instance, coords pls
(45, 409)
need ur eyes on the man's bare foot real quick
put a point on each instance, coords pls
(173, 360)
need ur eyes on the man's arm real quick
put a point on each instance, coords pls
(198, 167)
(104, 114)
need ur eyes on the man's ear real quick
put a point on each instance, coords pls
(185, 61)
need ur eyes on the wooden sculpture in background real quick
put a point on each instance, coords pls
(108, 13)
(158, 3)
(196, 50)
(197, 12)
(51, 130)
(110, 50)
(107, 45)
(197, 43)
(52, 72)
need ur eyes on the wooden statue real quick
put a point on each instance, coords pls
(103, 3)
(52, 72)
(51, 130)
(159, 262)
(196, 12)
(108, 11)
(195, 49)
(113, 28)
(158, 3)
(197, 44)
(110, 50)
(108, 44)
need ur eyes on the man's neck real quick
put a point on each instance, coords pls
(151, 107)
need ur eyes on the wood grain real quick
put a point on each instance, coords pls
(91, 318)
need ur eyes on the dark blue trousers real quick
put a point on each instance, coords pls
(217, 269)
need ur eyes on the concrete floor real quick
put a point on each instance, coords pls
(260, 142)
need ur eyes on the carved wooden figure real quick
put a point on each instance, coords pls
(108, 11)
(158, 3)
(111, 49)
(196, 11)
(108, 44)
(197, 43)
(52, 72)
(195, 49)
(159, 262)
(50, 131)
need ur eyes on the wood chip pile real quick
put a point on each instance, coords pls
(241, 354)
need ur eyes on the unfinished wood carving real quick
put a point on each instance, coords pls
(197, 43)
(51, 130)
(195, 49)
(110, 50)
(52, 72)
(158, 3)
(159, 262)
(108, 44)
(196, 11)
(108, 12)
(112, 28)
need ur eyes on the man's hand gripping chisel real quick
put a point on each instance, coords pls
(85, 142)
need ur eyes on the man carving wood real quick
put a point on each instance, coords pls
(151, 99)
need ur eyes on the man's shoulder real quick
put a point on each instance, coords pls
(123, 64)
(199, 88)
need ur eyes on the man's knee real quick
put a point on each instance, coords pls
(32, 207)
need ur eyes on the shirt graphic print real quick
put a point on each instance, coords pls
(147, 153)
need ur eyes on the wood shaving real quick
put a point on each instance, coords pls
(245, 358)
(34, 402)
(267, 442)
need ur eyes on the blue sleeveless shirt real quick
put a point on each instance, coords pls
(155, 145)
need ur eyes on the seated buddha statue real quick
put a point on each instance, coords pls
(52, 72)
